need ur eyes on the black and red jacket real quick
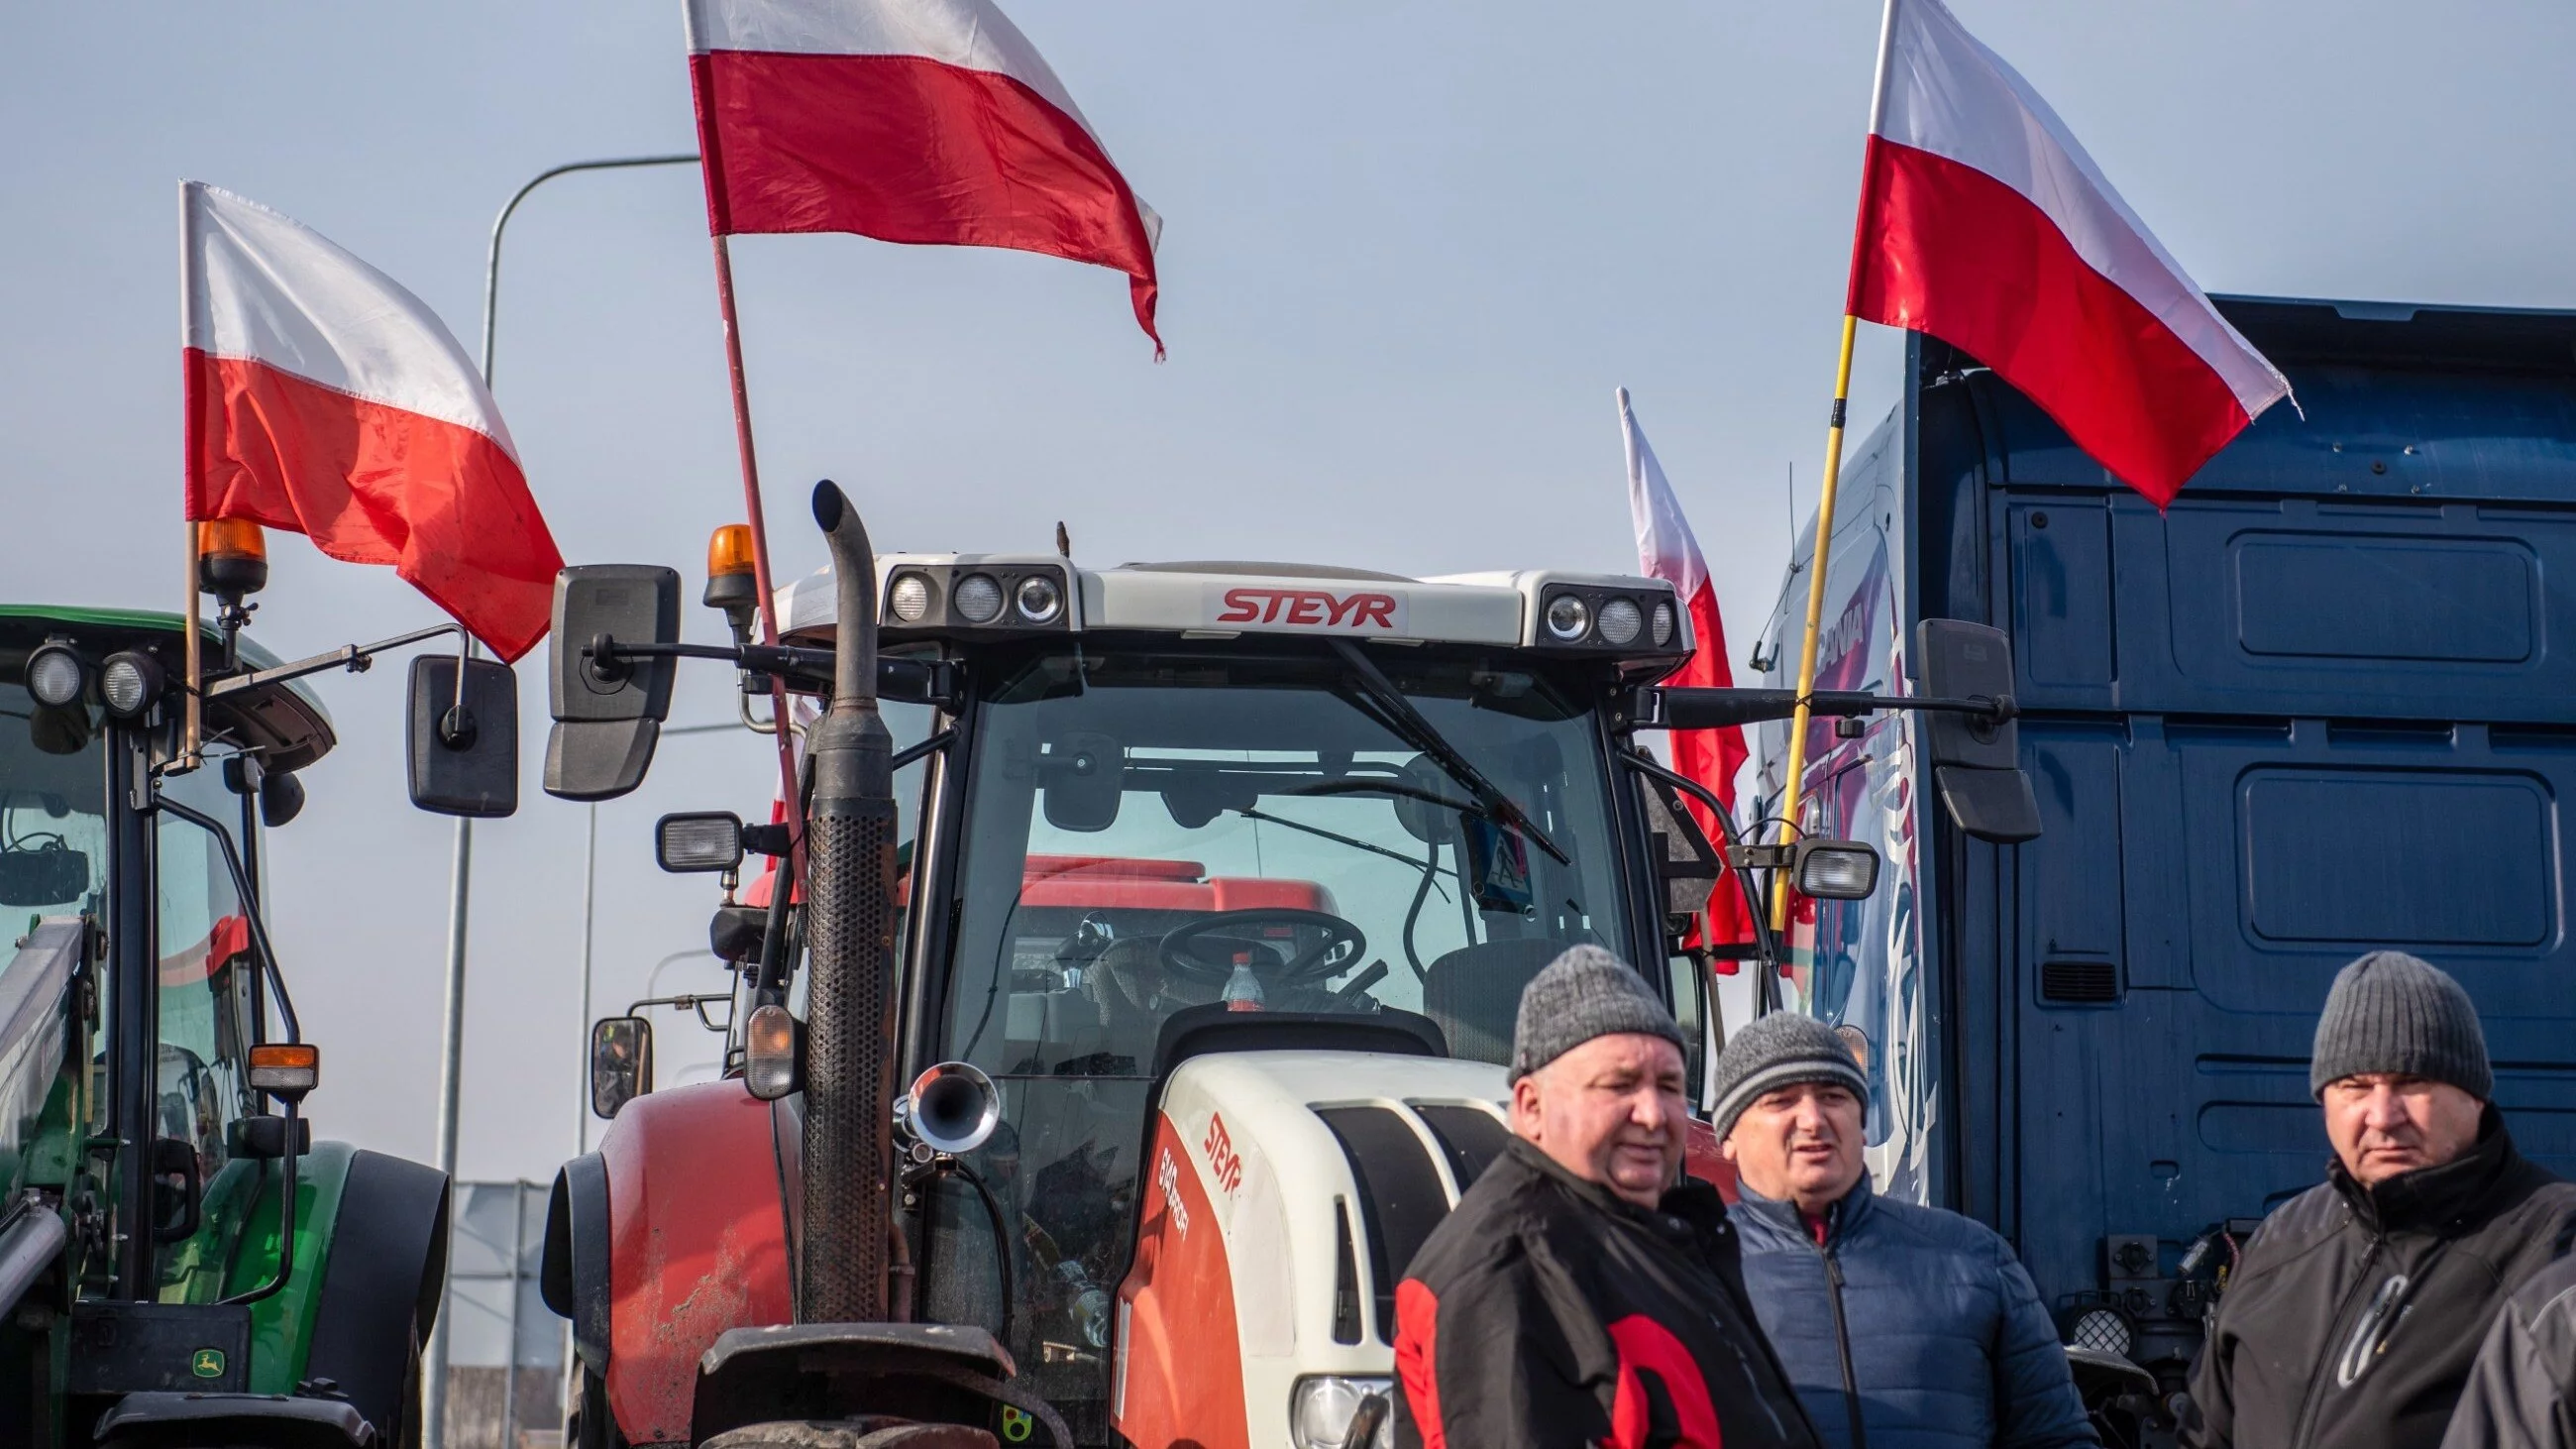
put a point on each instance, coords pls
(1549, 1313)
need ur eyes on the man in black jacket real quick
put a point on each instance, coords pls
(2361, 1302)
(2522, 1394)
(1583, 1293)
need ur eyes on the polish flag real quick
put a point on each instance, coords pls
(1983, 223)
(1667, 550)
(324, 399)
(908, 121)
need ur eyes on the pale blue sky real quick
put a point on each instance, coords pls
(1410, 248)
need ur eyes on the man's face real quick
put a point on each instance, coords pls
(1799, 1144)
(2383, 1124)
(1610, 1111)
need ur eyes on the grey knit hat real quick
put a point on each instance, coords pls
(1783, 1049)
(1584, 993)
(2389, 1012)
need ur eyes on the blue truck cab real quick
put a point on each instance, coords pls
(2324, 703)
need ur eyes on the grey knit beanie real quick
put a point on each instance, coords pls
(2389, 1012)
(1783, 1049)
(1584, 993)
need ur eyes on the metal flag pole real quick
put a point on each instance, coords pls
(1793, 784)
(460, 867)
(761, 579)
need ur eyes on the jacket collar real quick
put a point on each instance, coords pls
(1695, 1203)
(1842, 1217)
(2431, 1197)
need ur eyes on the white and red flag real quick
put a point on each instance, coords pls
(1984, 223)
(324, 399)
(1667, 550)
(908, 121)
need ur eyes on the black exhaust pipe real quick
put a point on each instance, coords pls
(850, 1022)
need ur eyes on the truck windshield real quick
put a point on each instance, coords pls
(1149, 832)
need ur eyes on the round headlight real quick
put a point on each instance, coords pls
(54, 675)
(978, 600)
(1567, 617)
(1663, 625)
(909, 599)
(1040, 600)
(129, 683)
(1621, 621)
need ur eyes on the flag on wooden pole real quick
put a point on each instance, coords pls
(908, 121)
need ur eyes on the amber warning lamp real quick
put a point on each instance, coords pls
(232, 557)
(286, 1070)
(731, 583)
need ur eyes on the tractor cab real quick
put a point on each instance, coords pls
(1214, 887)
(180, 1262)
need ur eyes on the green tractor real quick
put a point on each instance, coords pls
(180, 1263)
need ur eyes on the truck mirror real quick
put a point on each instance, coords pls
(1083, 779)
(621, 1063)
(1975, 759)
(464, 744)
(48, 875)
(608, 709)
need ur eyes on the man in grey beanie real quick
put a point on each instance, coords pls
(1902, 1327)
(2358, 1310)
(1584, 1291)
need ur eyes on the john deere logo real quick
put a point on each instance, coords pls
(208, 1363)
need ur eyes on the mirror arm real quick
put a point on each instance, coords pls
(810, 671)
(1695, 709)
(266, 957)
(352, 657)
(1766, 944)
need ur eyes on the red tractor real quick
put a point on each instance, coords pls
(1145, 998)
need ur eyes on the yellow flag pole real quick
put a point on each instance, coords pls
(189, 736)
(1793, 785)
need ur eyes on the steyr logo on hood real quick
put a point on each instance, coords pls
(1365, 610)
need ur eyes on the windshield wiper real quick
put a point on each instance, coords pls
(1398, 714)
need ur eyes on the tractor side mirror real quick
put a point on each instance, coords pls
(621, 1063)
(1975, 760)
(608, 710)
(464, 742)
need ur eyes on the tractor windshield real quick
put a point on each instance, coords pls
(1149, 832)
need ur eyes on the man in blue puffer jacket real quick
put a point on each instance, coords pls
(1902, 1327)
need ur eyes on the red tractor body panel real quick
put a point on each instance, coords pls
(697, 1245)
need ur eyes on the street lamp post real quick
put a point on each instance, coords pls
(452, 1035)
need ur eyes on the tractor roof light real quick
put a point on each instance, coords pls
(1039, 599)
(285, 1069)
(977, 599)
(908, 600)
(1663, 624)
(232, 557)
(1568, 618)
(1621, 621)
(131, 683)
(56, 675)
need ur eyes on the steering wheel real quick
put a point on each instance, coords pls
(1204, 950)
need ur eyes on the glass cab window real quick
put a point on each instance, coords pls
(1151, 832)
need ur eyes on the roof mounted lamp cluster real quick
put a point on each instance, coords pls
(1019, 597)
(1626, 621)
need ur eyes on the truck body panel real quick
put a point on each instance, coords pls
(2319, 706)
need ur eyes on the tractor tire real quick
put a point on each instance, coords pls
(867, 1433)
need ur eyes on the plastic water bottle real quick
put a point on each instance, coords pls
(1243, 989)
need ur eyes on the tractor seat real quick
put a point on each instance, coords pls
(1474, 994)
